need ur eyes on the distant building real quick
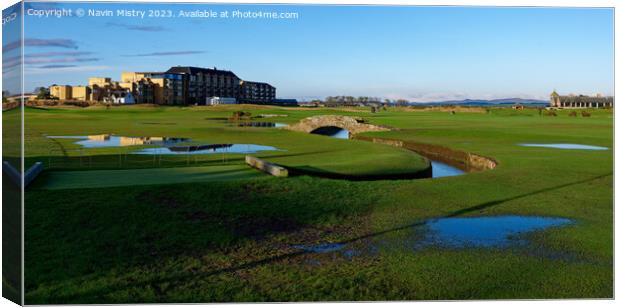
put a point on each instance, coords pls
(580, 101)
(179, 85)
(257, 92)
(99, 81)
(200, 83)
(82, 93)
(155, 87)
(123, 98)
(285, 102)
(211, 101)
(62, 92)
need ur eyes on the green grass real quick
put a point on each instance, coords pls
(297, 150)
(147, 176)
(231, 240)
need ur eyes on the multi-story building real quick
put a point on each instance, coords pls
(62, 92)
(101, 88)
(99, 81)
(82, 93)
(580, 101)
(141, 87)
(201, 83)
(257, 92)
(155, 87)
(178, 85)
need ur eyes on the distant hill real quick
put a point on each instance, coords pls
(483, 102)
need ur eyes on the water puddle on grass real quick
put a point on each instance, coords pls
(565, 146)
(108, 140)
(440, 169)
(490, 231)
(450, 233)
(333, 132)
(444, 170)
(260, 124)
(206, 149)
(245, 123)
(166, 145)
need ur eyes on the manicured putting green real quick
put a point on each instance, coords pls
(115, 178)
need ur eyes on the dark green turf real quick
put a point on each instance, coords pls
(146, 176)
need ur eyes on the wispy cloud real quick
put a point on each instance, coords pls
(164, 53)
(56, 66)
(58, 53)
(40, 42)
(46, 55)
(58, 60)
(34, 61)
(142, 28)
(50, 58)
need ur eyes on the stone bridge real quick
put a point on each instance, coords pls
(354, 125)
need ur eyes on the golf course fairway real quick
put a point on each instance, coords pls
(242, 236)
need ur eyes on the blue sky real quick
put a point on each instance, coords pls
(416, 53)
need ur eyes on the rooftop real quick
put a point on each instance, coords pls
(194, 70)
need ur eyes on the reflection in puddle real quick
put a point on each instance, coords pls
(566, 146)
(451, 232)
(108, 140)
(206, 149)
(333, 132)
(260, 124)
(440, 169)
(491, 231)
(444, 170)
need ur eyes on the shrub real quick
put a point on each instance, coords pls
(550, 113)
(241, 115)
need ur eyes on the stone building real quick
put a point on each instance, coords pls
(62, 92)
(580, 101)
(256, 92)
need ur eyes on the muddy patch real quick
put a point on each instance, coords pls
(466, 161)
(258, 227)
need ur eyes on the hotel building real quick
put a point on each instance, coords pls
(155, 87)
(257, 92)
(179, 85)
(202, 83)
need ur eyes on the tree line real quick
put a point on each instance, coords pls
(364, 100)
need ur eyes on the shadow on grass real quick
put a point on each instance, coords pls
(111, 161)
(179, 278)
(307, 170)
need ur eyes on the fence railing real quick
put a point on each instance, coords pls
(126, 157)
